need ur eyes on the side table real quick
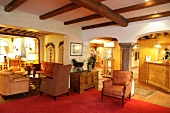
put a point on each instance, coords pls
(35, 79)
(80, 81)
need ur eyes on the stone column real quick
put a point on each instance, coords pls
(126, 55)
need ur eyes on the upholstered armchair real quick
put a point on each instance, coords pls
(15, 65)
(59, 83)
(11, 83)
(119, 86)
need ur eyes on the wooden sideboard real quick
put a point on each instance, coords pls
(80, 81)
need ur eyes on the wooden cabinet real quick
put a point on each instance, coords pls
(80, 81)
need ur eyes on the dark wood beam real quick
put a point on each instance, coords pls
(102, 10)
(135, 19)
(121, 10)
(17, 35)
(63, 9)
(13, 5)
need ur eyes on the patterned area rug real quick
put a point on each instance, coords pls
(144, 92)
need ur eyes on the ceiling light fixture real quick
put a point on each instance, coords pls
(157, 45)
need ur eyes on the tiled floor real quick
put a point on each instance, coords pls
(160, 97)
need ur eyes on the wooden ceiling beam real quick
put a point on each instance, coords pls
(17, 35)
(102, 10)
(13, 5)
(135, 19)
(121, 10)
(63, 9)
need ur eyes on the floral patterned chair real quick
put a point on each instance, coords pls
(59, 83)
(119, 86)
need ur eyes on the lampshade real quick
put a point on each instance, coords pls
(136, 47)
(158, 46)
(109, 44)
(31, 56)
(1, 58)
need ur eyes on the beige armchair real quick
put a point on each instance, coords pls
(11, 83)
(59, 83)
(119, 86)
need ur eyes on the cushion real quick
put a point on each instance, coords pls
(121, 77)
(43, 65)
(6, 72)
(15, 76)
(15, 68)
(49, 67)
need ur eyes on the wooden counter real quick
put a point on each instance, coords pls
(158, 74)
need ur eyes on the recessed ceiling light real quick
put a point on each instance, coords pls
(155, 12)
(146, 0)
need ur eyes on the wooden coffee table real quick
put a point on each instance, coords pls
(36, 79)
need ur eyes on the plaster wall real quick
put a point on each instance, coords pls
(130, 33)
(25, 20)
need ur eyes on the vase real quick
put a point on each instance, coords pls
(89, 67)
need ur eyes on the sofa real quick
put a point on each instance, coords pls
(45, 67)
(12, 83)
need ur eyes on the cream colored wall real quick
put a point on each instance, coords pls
(20, 19)
(55, 39)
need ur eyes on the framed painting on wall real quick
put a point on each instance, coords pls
(76, 49)
(23, 50)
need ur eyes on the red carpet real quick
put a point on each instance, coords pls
(87, 102)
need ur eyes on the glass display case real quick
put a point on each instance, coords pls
(108, 62)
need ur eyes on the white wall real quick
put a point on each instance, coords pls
(130, 33)
(20, 19)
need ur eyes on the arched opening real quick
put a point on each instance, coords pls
(149, 52)
(107, 52)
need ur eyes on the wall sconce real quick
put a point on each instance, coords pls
(28, 46)
(136, 47)
(15, 47)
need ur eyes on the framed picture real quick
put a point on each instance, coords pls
(76, 49)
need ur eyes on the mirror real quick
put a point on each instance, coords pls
(50, 55)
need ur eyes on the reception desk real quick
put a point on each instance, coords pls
(158, 74)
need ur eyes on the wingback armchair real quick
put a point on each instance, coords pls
(59, 83)
(15, 65)
(119, 86)
(11, 83)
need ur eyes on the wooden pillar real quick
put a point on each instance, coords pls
(126, 55)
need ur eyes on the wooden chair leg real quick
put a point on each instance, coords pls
(67, 93)
(4, 97)
(123, 101)
(27, 93)
(102, 98)
(129, 96)
(55, 98)
(41, 93)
